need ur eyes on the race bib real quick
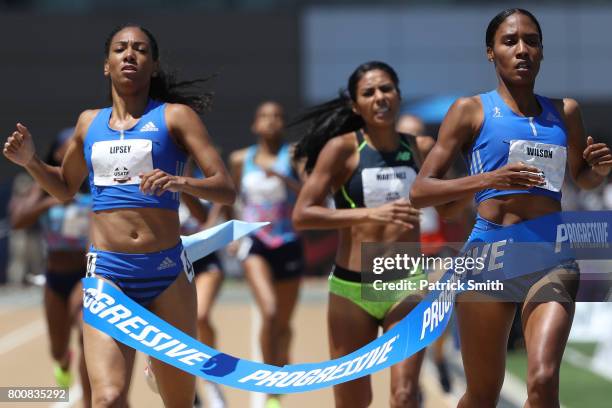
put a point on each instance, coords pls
(187, 266)
(121, 161)
(429, 221)
(90, 271)
(263, 190)
(549, 158)
(385, 184)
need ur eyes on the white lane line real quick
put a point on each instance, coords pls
(257, 399)
(21, 335)
(75, 394)
(592, 365)
(514, 389)
(429, 375)
(29, 332)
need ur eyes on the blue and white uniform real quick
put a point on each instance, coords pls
(65, 228)
(506, 137)
(267, 198)
(115, 159)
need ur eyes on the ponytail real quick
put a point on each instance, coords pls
(335, 117)
(326, 121)
(166, 88)
(164, 85)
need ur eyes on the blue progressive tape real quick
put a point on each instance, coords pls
(205, 242)
(571, 235)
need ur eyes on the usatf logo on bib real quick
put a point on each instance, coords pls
(121, 174)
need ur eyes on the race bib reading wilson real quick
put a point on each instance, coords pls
(385, 184)
(121, 161)
(549, 158)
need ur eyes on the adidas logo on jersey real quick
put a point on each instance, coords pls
(497, 112)
(166, 263)
(149, 127)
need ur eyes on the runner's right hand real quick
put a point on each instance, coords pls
(399, 212)
(514, 176)
(19, 147)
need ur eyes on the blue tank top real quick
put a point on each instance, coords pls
(506, 138)
(116, 158)
(267, 198)
(66, 227)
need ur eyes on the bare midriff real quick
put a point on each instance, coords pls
(135, 230)
(512, 209)
(350, 239)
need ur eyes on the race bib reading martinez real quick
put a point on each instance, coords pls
(385, 184)
(549, 158)
(121, 161)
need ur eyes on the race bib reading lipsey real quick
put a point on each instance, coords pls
(549, 158)
(121, 161)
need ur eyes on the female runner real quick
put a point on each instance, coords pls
(354, 152)
(134, 153)
(497, 130)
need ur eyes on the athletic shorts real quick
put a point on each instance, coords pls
(63, 283)
(347, 284)
(286, 261)
(558, 284)
(206, 264)
(142, 277)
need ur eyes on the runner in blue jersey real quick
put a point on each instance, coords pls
(65, 233)
(517, 145)
(196, 215)
(272, 258)
(353, 152)
(134, 153)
